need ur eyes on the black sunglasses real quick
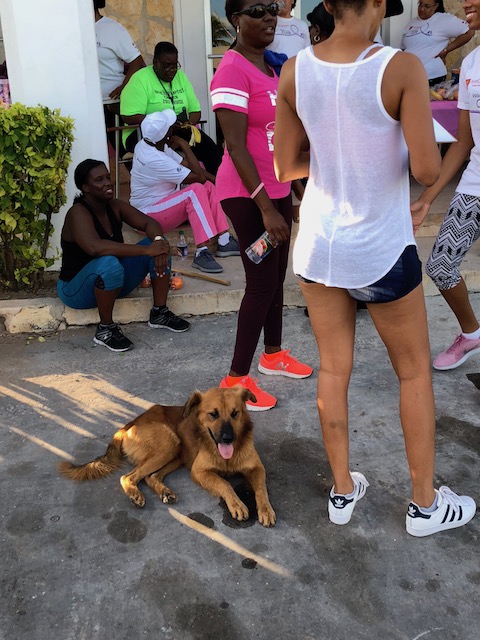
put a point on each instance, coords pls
(258, 11)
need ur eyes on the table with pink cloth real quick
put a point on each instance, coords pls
(446, 113)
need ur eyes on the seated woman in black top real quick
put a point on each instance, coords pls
(98, 267)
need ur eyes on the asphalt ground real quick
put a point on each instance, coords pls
(79, 561)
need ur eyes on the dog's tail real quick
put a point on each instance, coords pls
(101, 466)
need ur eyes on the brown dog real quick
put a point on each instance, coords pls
(212, 435)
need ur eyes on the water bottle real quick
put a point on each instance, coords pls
(262, 246)
(182, 246)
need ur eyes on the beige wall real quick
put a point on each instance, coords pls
(147, 21)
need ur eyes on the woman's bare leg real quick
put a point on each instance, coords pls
(332, 316)
(458, 301)
(402, 325)
(105, 302)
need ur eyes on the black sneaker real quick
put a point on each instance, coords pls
(165, 319)
(111, 336)
(206, 262)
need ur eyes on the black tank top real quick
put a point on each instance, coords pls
(73, 257)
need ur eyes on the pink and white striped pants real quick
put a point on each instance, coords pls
(196, 203)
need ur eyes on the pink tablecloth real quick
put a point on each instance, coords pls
(446, 113)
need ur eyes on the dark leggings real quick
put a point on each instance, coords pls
(262, 304)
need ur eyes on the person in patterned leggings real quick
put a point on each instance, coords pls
(461, 226)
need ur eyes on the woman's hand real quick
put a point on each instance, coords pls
(160, 250)
(275, 225)
(442, 55)
(419, 211)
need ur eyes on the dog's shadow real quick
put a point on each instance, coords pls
(247, 496)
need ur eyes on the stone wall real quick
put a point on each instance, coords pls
(456, 8)
(150, 21)
(147, 21)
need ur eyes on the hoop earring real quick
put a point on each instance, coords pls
(316, 38)
(238, 28)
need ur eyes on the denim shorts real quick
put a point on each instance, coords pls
(403, 277)
(107, 273)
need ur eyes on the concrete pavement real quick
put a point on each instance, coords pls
(81, 562)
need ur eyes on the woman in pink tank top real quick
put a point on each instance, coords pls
(244, 94)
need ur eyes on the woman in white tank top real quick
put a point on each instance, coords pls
(362, 111)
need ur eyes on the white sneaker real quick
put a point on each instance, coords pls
(340, 508)
(452, 511)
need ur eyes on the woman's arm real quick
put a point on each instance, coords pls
(234, 127)
(197, 174)
(81, 230)
(194, 117)
(138, 118)
(405, 95)
(160, 248)
(456, 44)
(291, 157)
(134, 66)
(456, 155)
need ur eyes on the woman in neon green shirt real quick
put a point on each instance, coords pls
(163, 85)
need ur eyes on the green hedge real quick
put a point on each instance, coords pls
(35, 148)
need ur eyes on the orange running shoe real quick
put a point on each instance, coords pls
(282, 364)
(264, 400)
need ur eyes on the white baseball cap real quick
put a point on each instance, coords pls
(155, 126)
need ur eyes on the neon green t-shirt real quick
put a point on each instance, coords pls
(145, 93)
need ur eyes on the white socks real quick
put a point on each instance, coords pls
(472, 336)
(223, 239)
(199, 251)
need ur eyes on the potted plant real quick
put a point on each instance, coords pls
(35, 147)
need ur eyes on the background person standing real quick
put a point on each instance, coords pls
(291, 34)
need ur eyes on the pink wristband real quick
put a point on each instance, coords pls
(257, 190)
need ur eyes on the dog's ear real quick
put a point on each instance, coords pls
(248, 395)
(192, 402)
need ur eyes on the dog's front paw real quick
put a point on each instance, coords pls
(168, 497)
(266, 516)
(238, 510)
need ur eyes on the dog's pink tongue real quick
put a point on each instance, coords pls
(225, 450)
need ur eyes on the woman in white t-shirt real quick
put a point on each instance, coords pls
(432, 35)
(291, 34)
(172, 189)
(118, 60)
(118, 56)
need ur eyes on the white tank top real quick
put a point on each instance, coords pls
(355, 217)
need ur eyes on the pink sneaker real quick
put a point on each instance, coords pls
(457, 354)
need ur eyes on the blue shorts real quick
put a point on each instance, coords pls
(403, 277)
(107, 272)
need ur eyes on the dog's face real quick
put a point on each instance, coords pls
(221, 415)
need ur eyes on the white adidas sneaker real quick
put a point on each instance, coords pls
(340, 508)
(452, 511)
